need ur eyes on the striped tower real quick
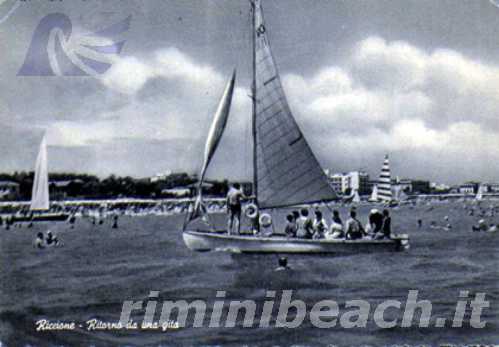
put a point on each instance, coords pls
(385, 182)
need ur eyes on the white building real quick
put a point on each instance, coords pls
(468, 188)
(355, 180)
(160, 176)
(491, 187)
(439, 187)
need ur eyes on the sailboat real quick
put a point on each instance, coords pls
(354, 197)
(385, 183)
(40, 204)
(480, 192)
(374, 194)
(399, 196)
(285, 171)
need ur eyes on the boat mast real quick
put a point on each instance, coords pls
(253, 99)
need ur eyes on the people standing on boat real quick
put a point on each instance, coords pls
(290, 229)
(336, 231)
(354, 229)
(305, 225)
(319, 225)
(234, 197)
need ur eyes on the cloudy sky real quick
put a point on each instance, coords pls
(418, 79)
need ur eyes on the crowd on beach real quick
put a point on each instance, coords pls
(308, 223)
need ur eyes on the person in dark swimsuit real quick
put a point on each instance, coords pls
(234, 197)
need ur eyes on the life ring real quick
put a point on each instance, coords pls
(265, 220)
(251, 211)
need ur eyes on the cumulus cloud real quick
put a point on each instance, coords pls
(394, 97)
(130, 74)
(434, 110)
(170, 99)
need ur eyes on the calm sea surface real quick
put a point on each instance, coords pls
(99, 267)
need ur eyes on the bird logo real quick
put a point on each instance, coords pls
(54, 51)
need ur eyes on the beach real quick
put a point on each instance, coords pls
(98, 268)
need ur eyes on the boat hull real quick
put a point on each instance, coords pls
(207, 241)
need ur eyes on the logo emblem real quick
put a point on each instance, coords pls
(54, 51)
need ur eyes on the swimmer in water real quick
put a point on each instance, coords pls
(283, 264)
(51, 239)
(482, 226)
(115, 222)
(39, 244)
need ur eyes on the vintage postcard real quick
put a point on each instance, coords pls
(249, 173)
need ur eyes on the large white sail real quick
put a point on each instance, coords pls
(214, 136)
(385, 182)
(218, 125)
(40, 192)
(287, 172)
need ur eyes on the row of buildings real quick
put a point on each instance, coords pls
(345, 183)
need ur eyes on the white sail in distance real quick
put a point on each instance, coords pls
(374, 194)
(385, 182)
(356, 197)
(399, 194)
(479, 194)
(287, 172)
(40, 191)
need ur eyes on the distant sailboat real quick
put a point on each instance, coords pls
(40, 190)
(356, 197)
(398, 194)
(285, 170)
(374, 194)
(385, 182)
(479, 194)
(40, 204)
